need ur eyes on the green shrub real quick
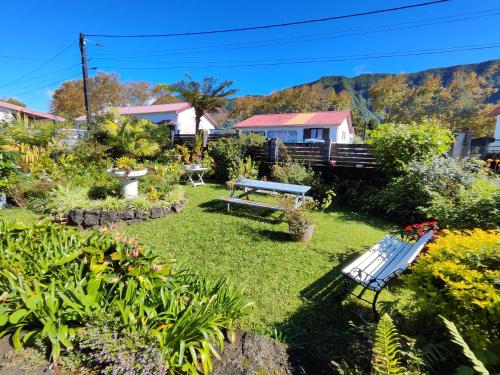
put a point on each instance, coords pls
(244, 168)
(230, 151)
(226, 152)
(457, 277)
(56, 279)
(9, 170)
(475, 207)
(111, 188)
(395, 146)
(292, 173)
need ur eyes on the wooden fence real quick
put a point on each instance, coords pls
(316, 154)
(351, 155)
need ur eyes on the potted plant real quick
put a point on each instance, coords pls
(300, 224)
(184, 151)
(128, 171)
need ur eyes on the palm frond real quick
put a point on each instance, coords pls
(387, 349)
(458, 339)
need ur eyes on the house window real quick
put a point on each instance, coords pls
(316, 133)
(287, 136)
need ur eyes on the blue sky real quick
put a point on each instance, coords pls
(35, 31)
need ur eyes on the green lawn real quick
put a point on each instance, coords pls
(292, 285)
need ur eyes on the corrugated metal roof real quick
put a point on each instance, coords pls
(31, 112)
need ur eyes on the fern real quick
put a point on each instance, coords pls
(458, 339)
(387, 349)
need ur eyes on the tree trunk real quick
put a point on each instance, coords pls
(198, 115)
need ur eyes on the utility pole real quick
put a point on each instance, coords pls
(85, 75)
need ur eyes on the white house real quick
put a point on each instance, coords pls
(8, 110)
(179, 116)
(495, 146)
(302, 127)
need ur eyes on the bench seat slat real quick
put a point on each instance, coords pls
(250, 203)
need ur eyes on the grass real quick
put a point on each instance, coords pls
(292, 285)
(17, 214)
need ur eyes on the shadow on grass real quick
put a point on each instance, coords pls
(273, 235)
(328, 325)
(361, 217)
(261, 214)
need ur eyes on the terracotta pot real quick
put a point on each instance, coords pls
(306, 236)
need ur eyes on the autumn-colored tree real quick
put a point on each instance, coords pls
(13, 101)
(136, 93)
(162, 94)
(307, 98)
(463, 101)
(106, 91)
(205, 96)
(389, 98)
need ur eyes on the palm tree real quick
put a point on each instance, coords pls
(205, 96)
(130, 136)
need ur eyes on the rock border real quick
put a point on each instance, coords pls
(93, 218)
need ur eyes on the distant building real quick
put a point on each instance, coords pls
(8, 111)
(334, 127)
(180, 117)
(495, 146)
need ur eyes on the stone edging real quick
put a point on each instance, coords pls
(97, 218)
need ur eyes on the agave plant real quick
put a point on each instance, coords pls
(130, 136)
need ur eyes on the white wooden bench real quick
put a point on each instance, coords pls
(379, 265)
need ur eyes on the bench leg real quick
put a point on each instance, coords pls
(374, 305)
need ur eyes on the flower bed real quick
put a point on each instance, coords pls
(91, 218)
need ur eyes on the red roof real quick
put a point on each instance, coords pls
(297, 119)
(495, 112)
(145, 109)
(37, 115)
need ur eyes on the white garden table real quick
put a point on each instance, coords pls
(195, 175)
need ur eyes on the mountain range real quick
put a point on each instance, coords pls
(359, 85)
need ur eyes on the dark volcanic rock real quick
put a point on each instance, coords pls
(91, 218)
(142, 214)
(126, 215)
(75, 217)
(108, 217)
(155, 212)
(251, 354)
(177, 206)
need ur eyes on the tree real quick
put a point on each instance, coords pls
(464, 99)
(205, 96)
(162, 94)
(136, 93)
(131, 137)
(13, 101)
(389, 97)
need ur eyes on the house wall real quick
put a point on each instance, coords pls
(157, 117)
(186, 123)
(497, 129)
(6, 114)
(336, 131)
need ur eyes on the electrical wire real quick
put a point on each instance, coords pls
(298, 39)
(74, 75)
(277, 25)
(41, 65)
(316, 59)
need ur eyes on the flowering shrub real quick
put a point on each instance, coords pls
(54, 280)
(415, 231)
(458, 278)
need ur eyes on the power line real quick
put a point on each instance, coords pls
(134, 58)
(41, 77)
(260, 27)
(319, 59)
(40, 66)
(298, 39)
(74, 75)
